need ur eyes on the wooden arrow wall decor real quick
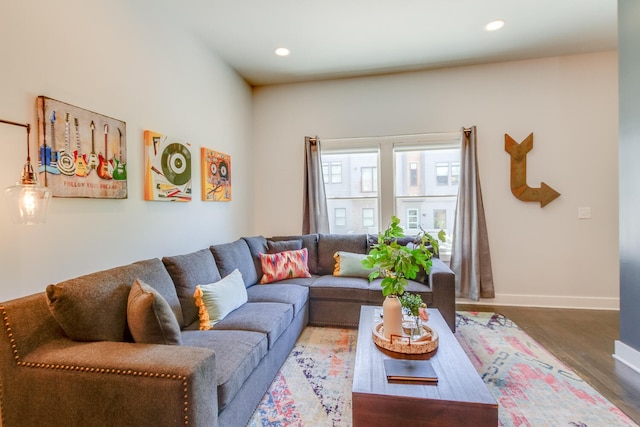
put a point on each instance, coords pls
(543, 194)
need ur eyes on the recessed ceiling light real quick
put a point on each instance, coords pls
(282, 51)
(494, 25)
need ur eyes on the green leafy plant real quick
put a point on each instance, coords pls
(411, 303)
(397, 264)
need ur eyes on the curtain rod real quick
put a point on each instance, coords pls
(313, 139)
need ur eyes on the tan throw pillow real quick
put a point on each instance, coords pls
(150, 318)
(216, 300)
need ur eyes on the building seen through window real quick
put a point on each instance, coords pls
(379, 177)
(332, 172)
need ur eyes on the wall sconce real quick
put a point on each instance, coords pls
(29, 199)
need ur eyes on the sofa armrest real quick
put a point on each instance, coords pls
(111, 383)
(443, 286)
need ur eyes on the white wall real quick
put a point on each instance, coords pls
(541, 256)
(129, 60)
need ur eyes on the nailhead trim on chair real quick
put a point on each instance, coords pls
(16, 356)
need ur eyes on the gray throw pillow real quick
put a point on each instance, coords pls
(88, 310)
(188, 271)
(150, 318)
(236, 255)
(283, 245)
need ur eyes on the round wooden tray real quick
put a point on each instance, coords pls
(403, 344)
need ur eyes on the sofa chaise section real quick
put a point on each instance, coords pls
(48, 379)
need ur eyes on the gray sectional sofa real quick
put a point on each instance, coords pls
(68, 356)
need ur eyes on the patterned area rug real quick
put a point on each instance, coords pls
(313, 387)
(531, 386)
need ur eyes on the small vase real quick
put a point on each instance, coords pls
(416, 331)
(392, 316)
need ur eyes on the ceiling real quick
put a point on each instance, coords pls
(346, 38)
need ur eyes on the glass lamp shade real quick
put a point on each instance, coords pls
(29, 201)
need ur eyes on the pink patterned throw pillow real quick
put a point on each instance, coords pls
(284, 265)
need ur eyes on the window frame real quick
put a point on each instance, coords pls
(328, 176)
(416, 216)
(373, 176)
(343, 217)
(372, 217)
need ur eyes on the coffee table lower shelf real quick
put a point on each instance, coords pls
(459, 399)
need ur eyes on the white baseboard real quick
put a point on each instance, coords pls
(627, 355)
(548, 301)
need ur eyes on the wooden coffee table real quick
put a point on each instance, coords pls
(460, 397)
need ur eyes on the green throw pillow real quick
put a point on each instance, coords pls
(216, 300)
(349, 264)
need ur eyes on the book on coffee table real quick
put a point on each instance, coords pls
(410, 370)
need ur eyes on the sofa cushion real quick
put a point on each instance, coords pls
(238, 353)
(216, 300)
(329, 244)
(340, 288)
(230, 256)
(284, 265)
(302, 281)
(270, 318)
(188, 271)
(350, 265)
(274, 247)
(257, 245)
(150, 318)
(309, 241)
(295, 295)
(93, 307)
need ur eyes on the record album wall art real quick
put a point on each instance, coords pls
(216, 176)
(167, 168)
(81, 153)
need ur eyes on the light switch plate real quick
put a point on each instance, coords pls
(584, 213)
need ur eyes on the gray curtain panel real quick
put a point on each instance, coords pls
(470, 255)
(315, 216)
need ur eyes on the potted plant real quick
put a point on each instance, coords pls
(397, 264)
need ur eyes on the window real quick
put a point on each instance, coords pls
(369, 179)
(368, 219)
(332, 172)
(358, 189)
(442, 173)
(455, 173)
(387, 176)
(340, 217)
(413, 174)
(413, 218)
(336, 172)
(439, 219)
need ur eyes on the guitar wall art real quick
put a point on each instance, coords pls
(81, 153)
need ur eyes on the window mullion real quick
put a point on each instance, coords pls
(386, 173)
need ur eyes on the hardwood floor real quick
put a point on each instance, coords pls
(584, 340)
